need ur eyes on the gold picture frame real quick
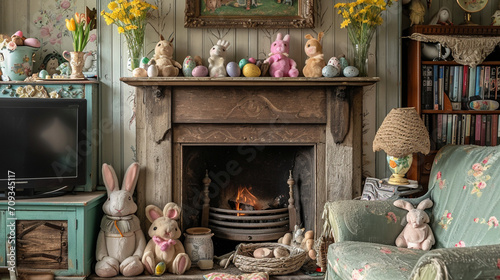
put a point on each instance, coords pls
(275, 14)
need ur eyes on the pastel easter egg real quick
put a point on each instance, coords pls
(200, 71)
(153, 70)
(233, 70)
(32, 42)
(43, 73)
(243, 62)
(330, 71)
(252, 60)
(139, 72)
(351, 71)
(160, 268)
(334, 62)
(251, 70)
(187, 66)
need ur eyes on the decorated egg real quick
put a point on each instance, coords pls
(233, 70)
(343, 62)
(43, 73)
(251, 70)
(243, 62)
(351, 71)
(334, 62)
(32, 42)
(139, 72)
(153, 70)
(330, 71)
(200, 71)
(160, 268)
(252, 60)
(144, 62)
(187, 66)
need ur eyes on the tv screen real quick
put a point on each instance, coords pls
(43, 144)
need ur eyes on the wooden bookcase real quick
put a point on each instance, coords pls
(422, 164)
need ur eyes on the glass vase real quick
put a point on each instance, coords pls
(135, 43)
(360, 44)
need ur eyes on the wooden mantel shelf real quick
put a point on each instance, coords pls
(243, 81)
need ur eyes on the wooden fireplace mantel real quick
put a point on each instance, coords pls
(177, 111)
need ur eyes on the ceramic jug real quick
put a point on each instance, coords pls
(199, 247)
(17, 64)
(433, 51)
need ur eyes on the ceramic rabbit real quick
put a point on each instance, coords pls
(121, 242)
(417, 234)
(216, 67)
(164, 245)
(167, 66)
(280, 64)
(315, 62)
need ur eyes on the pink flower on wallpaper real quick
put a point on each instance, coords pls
(45, 31)
(92, 38)
(37, 19)
(59, 17)
(65, 4)
(460, 244)
(53, 41)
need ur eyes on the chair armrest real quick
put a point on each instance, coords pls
(366, 221)
(477, 262)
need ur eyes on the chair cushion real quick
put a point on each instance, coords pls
(362, 260)
(465, 188)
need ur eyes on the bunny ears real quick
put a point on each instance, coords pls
(403, 204)
(129, 181)
(171, 211)
(223, 43)
(310, 37)
(279, 36)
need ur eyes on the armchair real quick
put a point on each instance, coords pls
(464, 186)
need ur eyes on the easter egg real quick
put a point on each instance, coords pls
(351, 71)
(200, 71)
(233, 70)
(43, 73)
(152, 70)
(252, 60)
(330, 71)
(32, 42)
(139, 72)
(160, 268)
(343, 63)
(334, 62)
(251, 70)
(187, 66)
(243, 62)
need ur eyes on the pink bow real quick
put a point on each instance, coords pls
(164, 244)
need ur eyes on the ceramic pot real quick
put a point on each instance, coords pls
(17, 64)
(199, 247)
(399, 167)
(76, 62)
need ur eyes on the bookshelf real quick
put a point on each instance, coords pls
(416, 89)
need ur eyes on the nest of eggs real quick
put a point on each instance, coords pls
(245, 261)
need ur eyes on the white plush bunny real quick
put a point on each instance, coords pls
(121, 242)
(216, 65)
(417, 234)
(164, 248)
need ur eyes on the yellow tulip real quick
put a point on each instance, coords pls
(70, 24)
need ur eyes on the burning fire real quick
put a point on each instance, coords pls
(245, 197)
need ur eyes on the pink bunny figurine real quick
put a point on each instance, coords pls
(417, 234)
(280, 64)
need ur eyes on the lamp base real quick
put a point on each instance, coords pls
(399, 167)
(397, 179)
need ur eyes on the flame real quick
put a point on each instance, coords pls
(246, 197)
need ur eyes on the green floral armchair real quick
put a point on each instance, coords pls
(465, 189)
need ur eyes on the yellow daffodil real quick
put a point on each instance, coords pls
(121, 29)
(112, 5)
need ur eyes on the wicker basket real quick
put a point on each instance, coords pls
(244, 260)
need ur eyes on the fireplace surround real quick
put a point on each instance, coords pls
(318, 118)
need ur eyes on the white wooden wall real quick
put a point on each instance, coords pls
(118, 137)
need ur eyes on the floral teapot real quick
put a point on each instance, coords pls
(432, 51)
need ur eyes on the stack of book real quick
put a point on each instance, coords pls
(458, 83)
(462, 129)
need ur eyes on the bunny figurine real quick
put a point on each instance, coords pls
(164, 248)
(120, 243)
(280, 64)
(315, 62)
(216, 67)
(167, 66)
(417, 234)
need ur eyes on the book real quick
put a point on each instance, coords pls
(455, 84)
(435, 88)
(472, 84)
(463, 129)
(451, 81)
(494, 130)
(469, 133)
(477, 134)
(427, 92)
(465, 88)
(460, 72)
(441, 86)
(439, 131)
(449, 129)
(444, 137)
(478, 82)
(487, 138)
(447, 80)
(482, 139)
(493, 82)
(497, 85)
(434, 132)
(486, 82)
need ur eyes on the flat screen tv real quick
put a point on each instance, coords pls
(43, 145)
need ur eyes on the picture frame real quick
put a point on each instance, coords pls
(275, 14)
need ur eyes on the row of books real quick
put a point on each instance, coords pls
(459, 83)
(462, 129)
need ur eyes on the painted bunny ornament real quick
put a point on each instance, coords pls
(280, 64)
(164, 246)
(216, 67)
(121, 242)
(417, 234)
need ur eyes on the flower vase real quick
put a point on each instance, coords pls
(360, 44)
(133, 61)
(135, 49)
(76, 62)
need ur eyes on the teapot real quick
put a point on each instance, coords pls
(432, 51)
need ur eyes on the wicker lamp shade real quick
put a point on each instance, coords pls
(402, 133)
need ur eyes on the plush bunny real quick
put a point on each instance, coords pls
(167, 66)
(216, 65)
(280, 64)
(120, 243)
(164, 245)
(315, 62)
(417, 234)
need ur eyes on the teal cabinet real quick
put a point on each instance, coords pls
(55, 234)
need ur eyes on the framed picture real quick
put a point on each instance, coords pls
(249, 13)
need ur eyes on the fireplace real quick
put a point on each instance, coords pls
(248, 132)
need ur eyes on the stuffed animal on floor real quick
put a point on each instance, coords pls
(280, 64)
(167, 66)
(316, 61)
(417, 234)
(121, 242)
(164, 250)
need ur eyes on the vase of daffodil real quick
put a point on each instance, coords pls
(79, 26)
(130, 19)
(361, 19)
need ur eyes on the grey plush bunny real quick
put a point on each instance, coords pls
(121, 242)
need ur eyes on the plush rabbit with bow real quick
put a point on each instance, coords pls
(121, 242)
(417, 234)
(164, 245)
(280, 64)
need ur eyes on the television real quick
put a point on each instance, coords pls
(43, 146)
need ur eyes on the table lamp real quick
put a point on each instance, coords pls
(401, 134)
